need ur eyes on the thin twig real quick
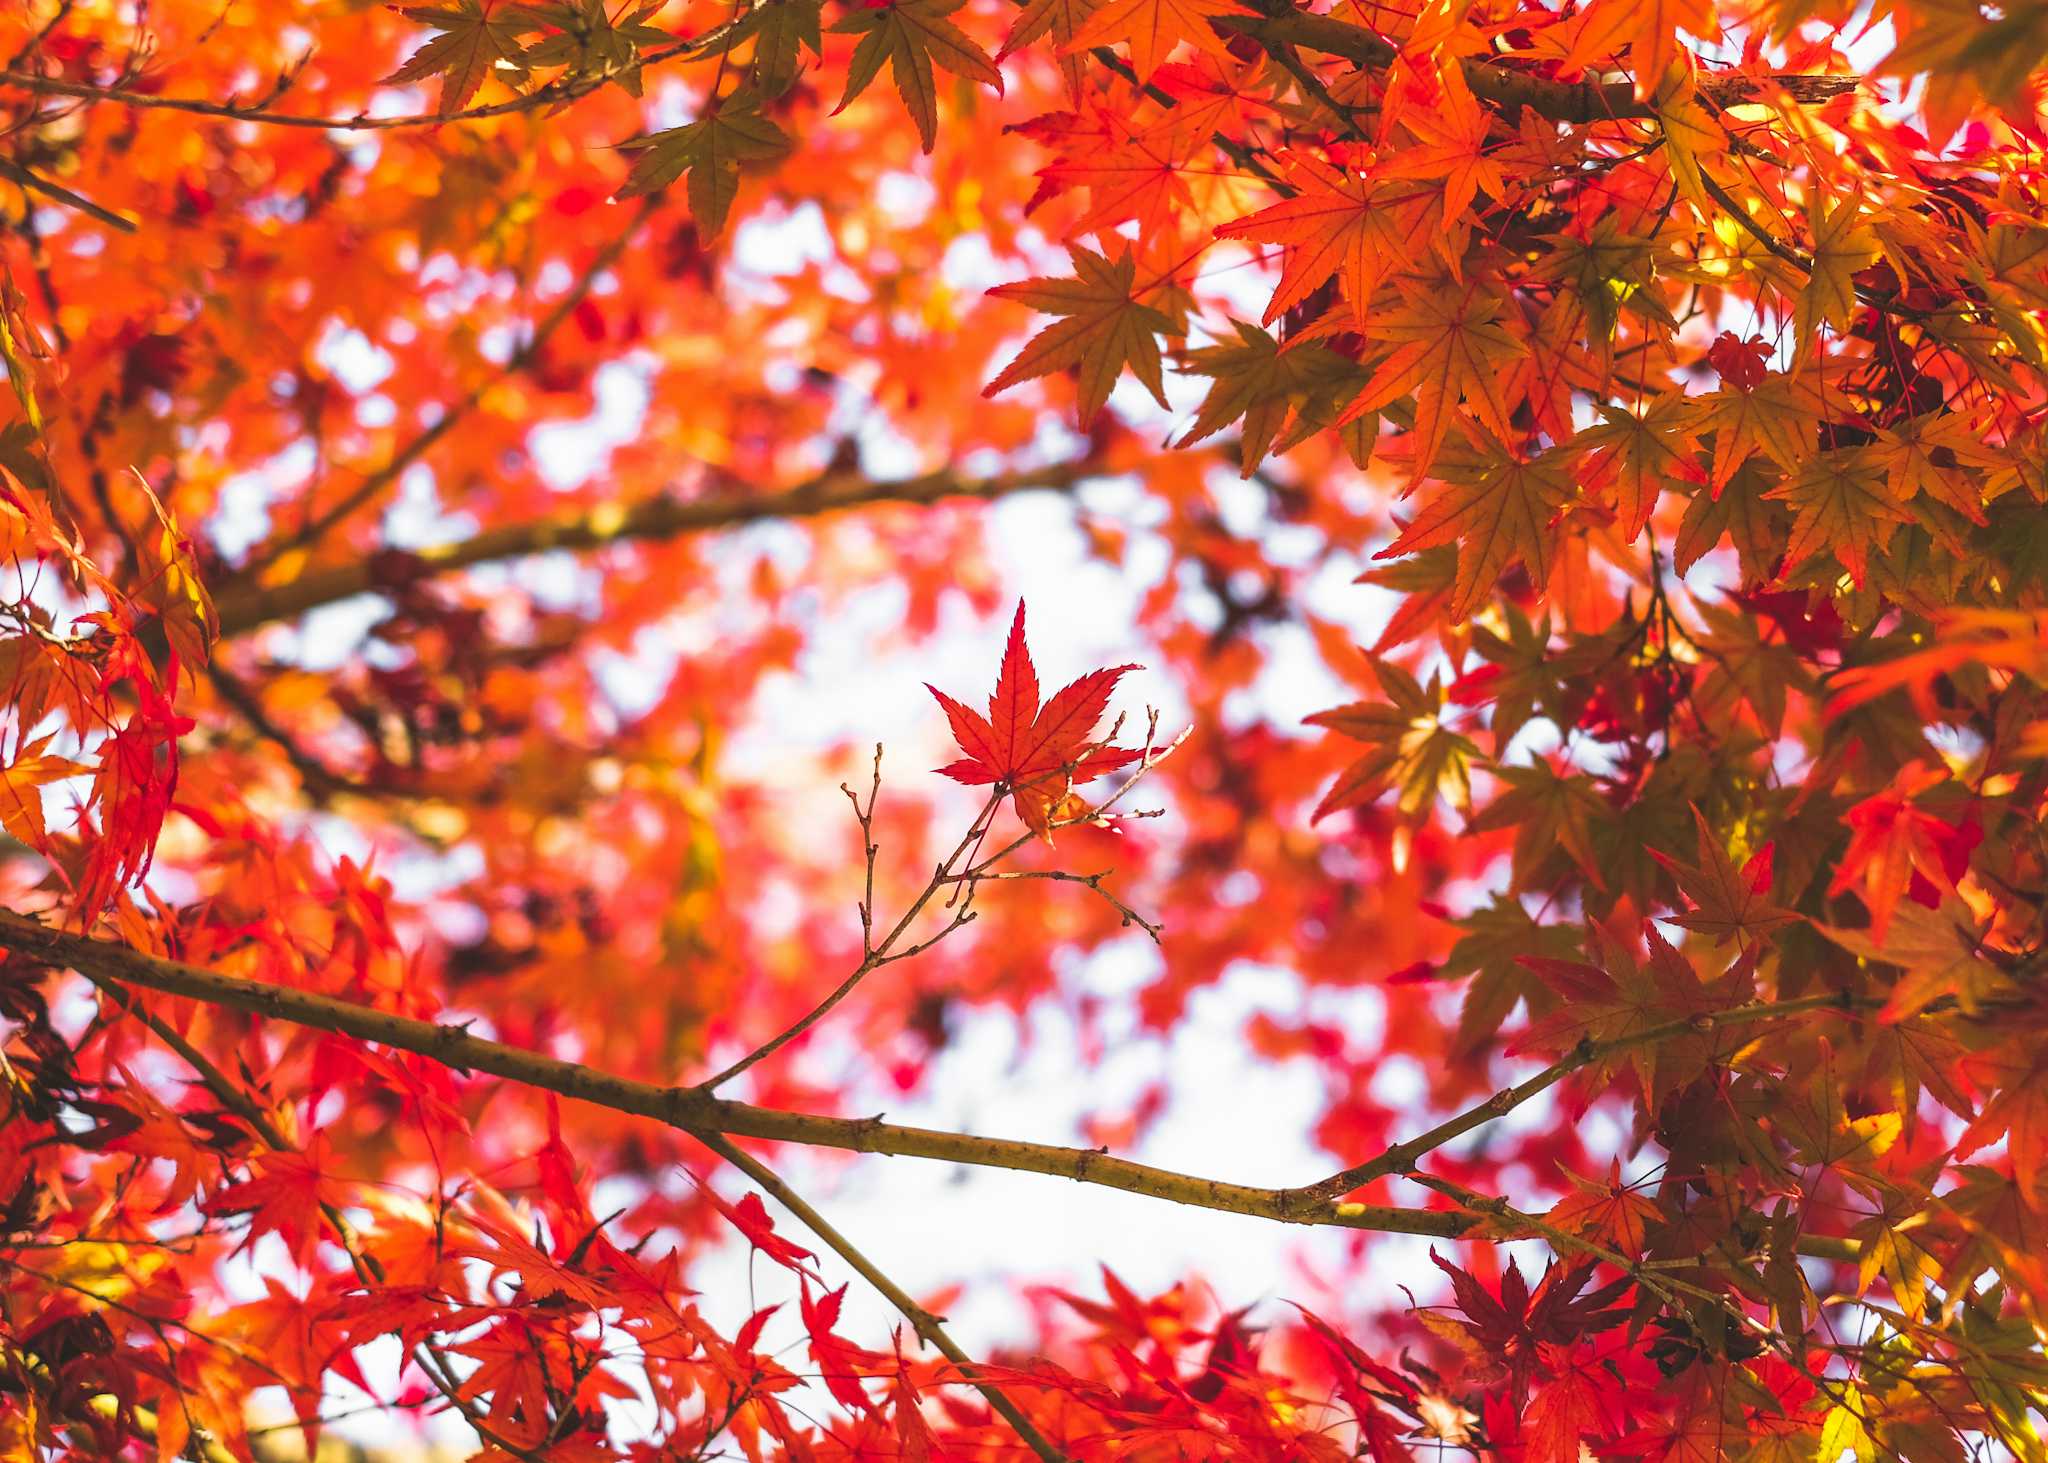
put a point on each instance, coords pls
(877, 955)
(245, 606)
(552, 94)
(923, 1321)
(1401, 1157)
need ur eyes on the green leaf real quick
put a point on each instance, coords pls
(912, 36)
(474, 42)
(712, 151)
(781, 33)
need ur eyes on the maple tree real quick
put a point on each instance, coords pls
(438, 437)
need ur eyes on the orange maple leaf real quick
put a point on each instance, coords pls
(1339, 223)
(1649, 28)
(1153, 28)
(1449, 344)
(1496, 510)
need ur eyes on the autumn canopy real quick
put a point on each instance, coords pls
(1531, 519)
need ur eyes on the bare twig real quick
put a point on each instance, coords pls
(553, 94)
(880, 953)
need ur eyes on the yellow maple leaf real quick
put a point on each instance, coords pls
(1841, 248)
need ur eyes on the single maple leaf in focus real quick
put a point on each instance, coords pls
(1036, 751)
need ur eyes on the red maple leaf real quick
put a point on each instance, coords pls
(840, 1362)
(1897, 848)
(1035, 751)
(284, 1196)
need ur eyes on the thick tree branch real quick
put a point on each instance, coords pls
(1561, 101)
(244, 608)
(685, 1108)
(698, 1113)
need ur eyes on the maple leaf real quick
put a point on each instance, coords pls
(840, 1362)
(2016, 1076)
(1649, 30)
(1258, 385)
(1456, 146)
(1153, 28)
(477, 40)
(1892, 841)
(1037, 752)
(1510, 1330)
(21, 784)
(1894, 1243)
(1768, 417)
(284, 1196)
(1739, 513)
(1616, 1001)
(1339, 224)
(1816, 1121)
(1412, 750)
(1841, 249)
(1840, 505)
(1497, 510)
(1064, 19)
(1564, 1414)
(1727, 903)
(1928, 454)
(1491, 943)
(750, 1217)
(1105, 329)
(781, 32)
(912, 35)
(1635, 454)
(1940, 953)
(1614, 1213)
(1547, 812)
(712, 150)
(1449, 345)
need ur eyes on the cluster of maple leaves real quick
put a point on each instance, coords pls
(1676, 374)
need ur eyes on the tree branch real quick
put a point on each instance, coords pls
(372, 487)
(1561, 101)
(554, 93)
(243, 608)
(698, 1113)
(1403, 1156)
(926, 1324)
